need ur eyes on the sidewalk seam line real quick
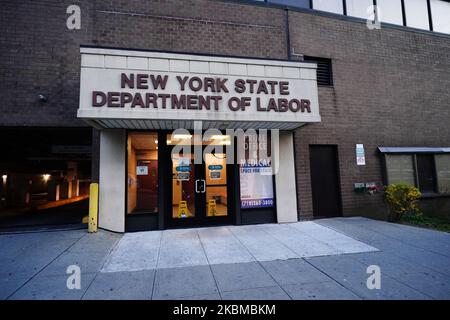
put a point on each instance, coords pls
(156, 266)
(334, 280)
(398, 280)
(209, 265)
(398, 256)
(260, 264)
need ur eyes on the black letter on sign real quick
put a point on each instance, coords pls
(124, 80)
(221, 85)
(305, 104)
(182, 81)
(125, 97)
(159, 81)
(234, 104)
(239, 86)
(95, 102)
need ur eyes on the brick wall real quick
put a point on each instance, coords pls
(391, 86)
(40, 55)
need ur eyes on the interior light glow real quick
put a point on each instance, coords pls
(220, 137)
(182, 136)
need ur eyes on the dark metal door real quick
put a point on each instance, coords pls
(325, 181)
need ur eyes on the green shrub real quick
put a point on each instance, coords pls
(402, 199)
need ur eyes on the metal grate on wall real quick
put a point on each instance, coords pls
(324, 70)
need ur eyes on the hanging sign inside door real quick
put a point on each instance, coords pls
(183, 169)
(183, 176)
(214, 175)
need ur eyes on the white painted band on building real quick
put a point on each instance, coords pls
(273, 94)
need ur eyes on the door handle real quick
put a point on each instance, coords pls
(202, 189)
(196, 186)
(203, 186)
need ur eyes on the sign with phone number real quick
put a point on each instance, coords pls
(259, 203)
(256, 186)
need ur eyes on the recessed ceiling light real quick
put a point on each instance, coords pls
(181, 136)
(220, 137)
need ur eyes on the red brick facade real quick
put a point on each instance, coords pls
(391, 86)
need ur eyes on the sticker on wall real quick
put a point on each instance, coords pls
(141, 170)
(360, 155)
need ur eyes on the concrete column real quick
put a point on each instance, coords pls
(285, 186)
(64, 190)
(77, 188)
(69, 189)
(112, 180)
(53, 191)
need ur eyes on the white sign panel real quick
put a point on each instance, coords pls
(360, 155)
(120, 84)
(256, 186)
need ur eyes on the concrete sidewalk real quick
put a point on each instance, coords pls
(325, 259)
(230, 244)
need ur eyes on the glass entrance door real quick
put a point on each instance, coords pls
(184, 187)
(199, 192)
(216, 187)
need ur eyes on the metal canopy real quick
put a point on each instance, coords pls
(414, 149)
(148, 124)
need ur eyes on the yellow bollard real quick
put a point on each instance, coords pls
(93, 207)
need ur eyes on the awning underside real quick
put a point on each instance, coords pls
(414, 149)
(146, 124)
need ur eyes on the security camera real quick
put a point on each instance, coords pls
(43, 98)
